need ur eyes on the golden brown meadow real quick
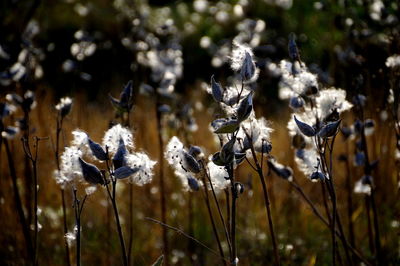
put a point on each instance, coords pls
(302, 238)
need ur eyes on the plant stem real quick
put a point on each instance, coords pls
(130, 241)
(59, 123)
(119, 228)
(65, 227)
(162, 184)
(349, 199)
(267, 202)
(233, 213)
(327, 223)
(18, 202)
(207, 200)
(78, 208)
(369, 223)
(376, 226)
(219, 209)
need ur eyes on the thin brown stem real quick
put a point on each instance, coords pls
(207, 200)
(267, 202)
(161, 182)
(18, 201)
(226, 230)
(181, 232)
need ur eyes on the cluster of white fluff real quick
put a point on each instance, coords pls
(113, 135)
(218, 176)
(313, 105)
(331, 99)
(295, 84)
(141, 161)
(393, 61)
(174, 154)
(70, 168)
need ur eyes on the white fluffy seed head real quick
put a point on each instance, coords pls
(141, 161)
(70, 168)
(331, 99)
(64, 102)
(393, 61)
(113, 135)
(239, 55)
(217, 176)
(308, 163)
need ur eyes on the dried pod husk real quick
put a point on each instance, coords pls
(317, 175)
(216, 159)
(164, 108)
(306, 129)
(359, 100)
(124, 172)
(97, 150)
(126, 97)
(29, 99)
(91, 173)
(367, 180)
(358, 126)
(229, 126)
(193, 183)
(245, 108)
(116, 104)
(191, 163)
(218, 122)
(298, 142)
(195, 151)
(119, 157)
(227, 154)
(292, 47)
(9, 132)
(359, 159)
(374, 164)
(239, 188)
(248, 67)
(282, 171)
(239, 157)
(346, 131)
(329, 130)
(15, 98)
(265, 147)
(333, 116)
(5, 109)
(296, 102)
(216, 89)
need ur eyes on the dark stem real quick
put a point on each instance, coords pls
(327, 223)
(65, 227)
(349, 200)
(181, 232)
(326, 207)
(369, 223)
(207, 200)
(233, 213)
(119, 228)
(162, 184)
(191, 250)
(376, 226)
(266, 201)
(59, 123)
(228, 210)
(367, 171)
(226, 229)
(130, 241)
(18, 202)
(78, 208)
